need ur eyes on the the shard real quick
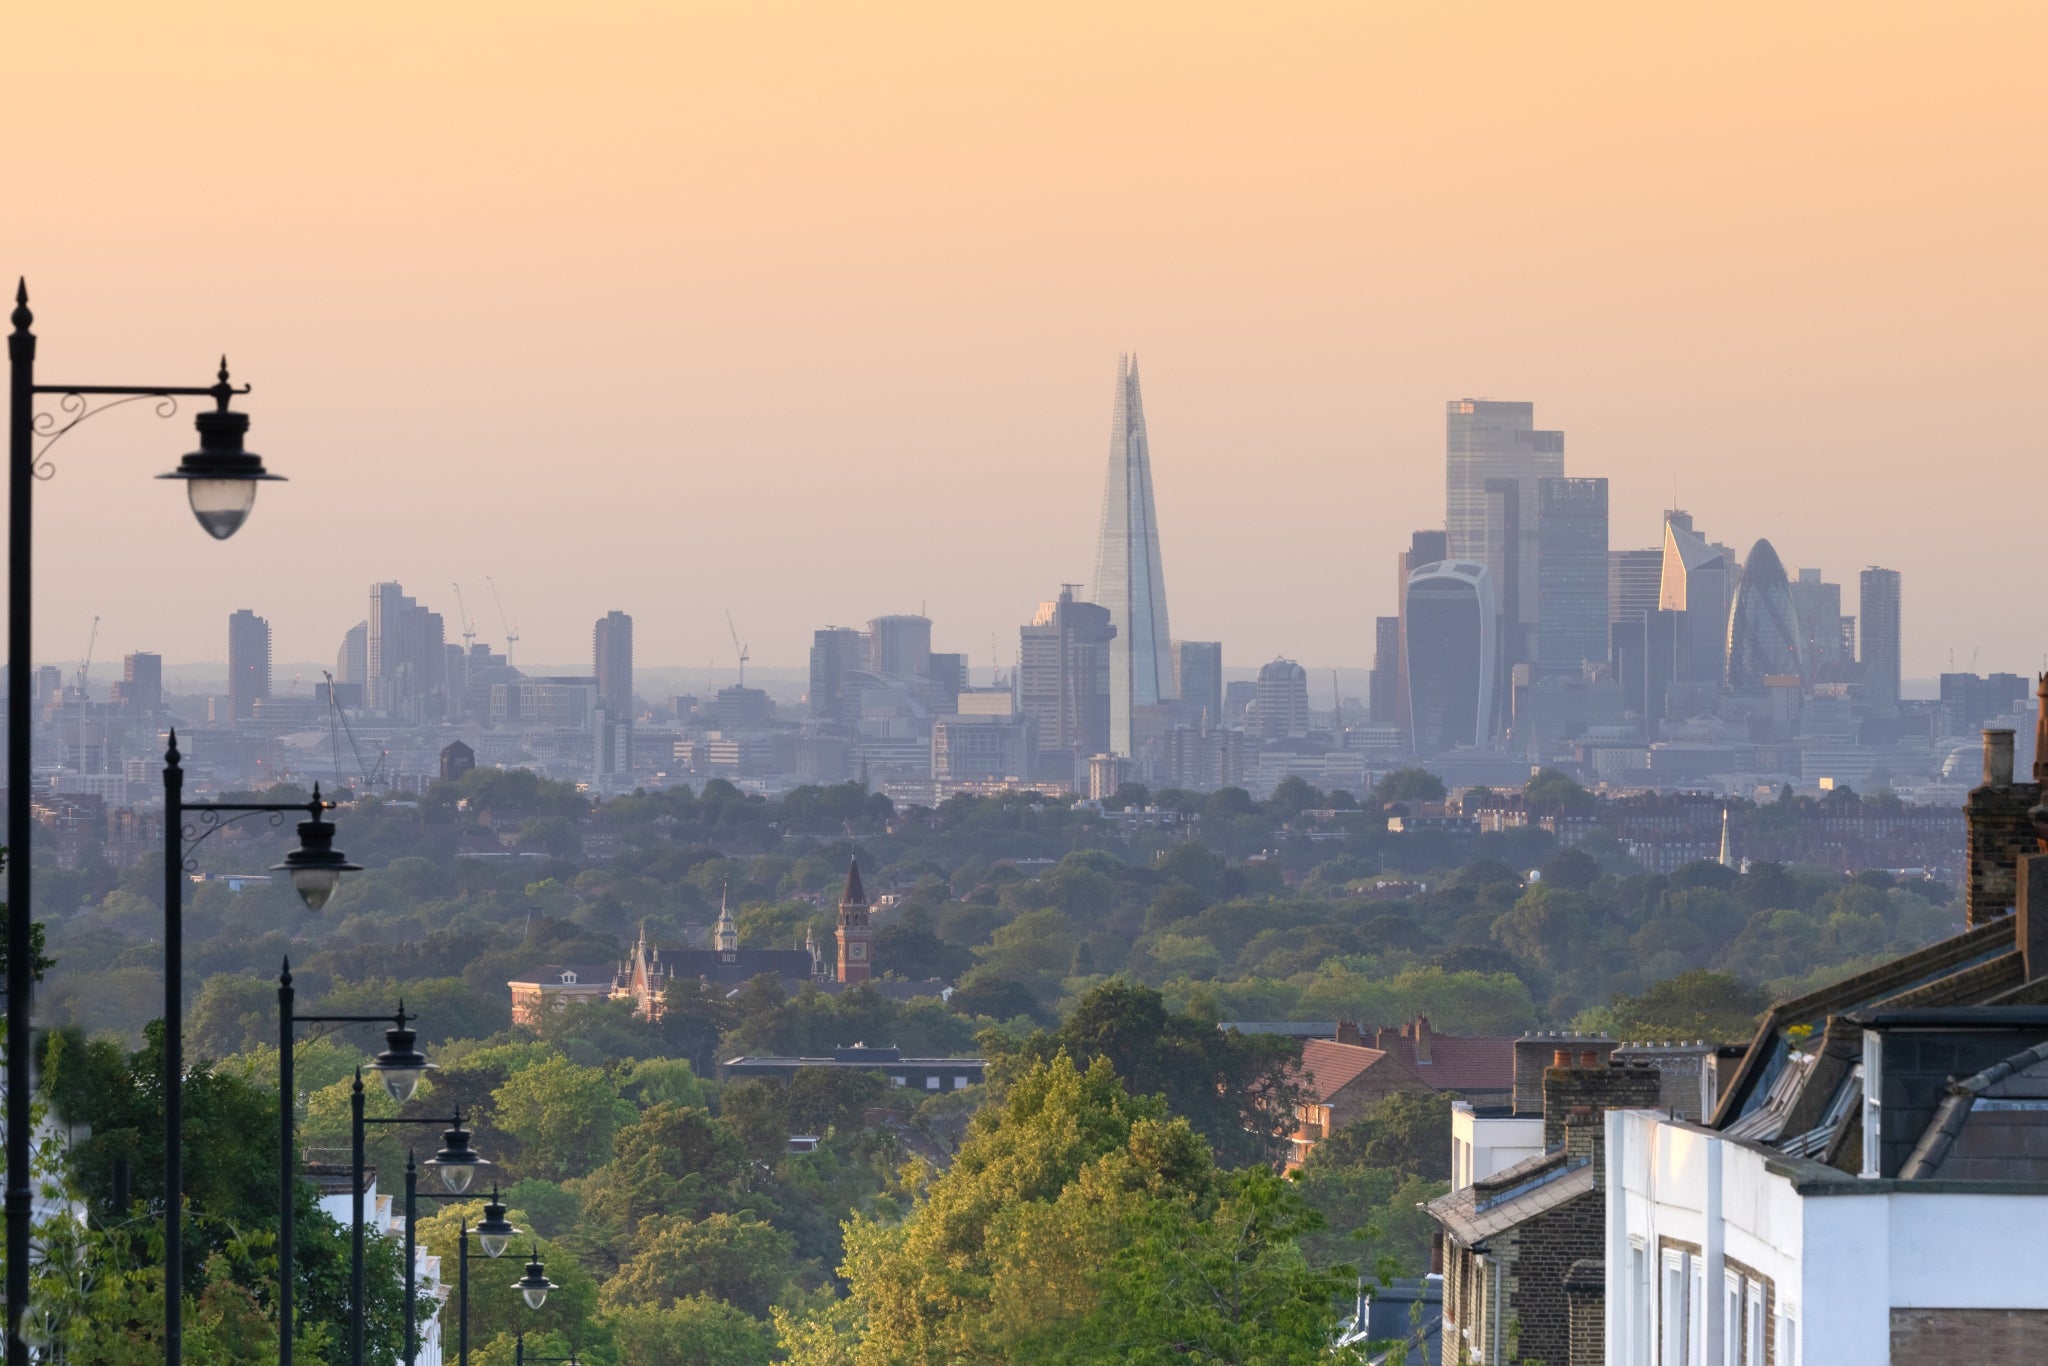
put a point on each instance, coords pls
(1128, 577)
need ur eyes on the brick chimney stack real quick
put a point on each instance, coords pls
(1999, 831)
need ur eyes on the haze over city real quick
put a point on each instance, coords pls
(813, 313)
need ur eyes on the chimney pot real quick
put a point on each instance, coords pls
(1589, 1058)
(1997, 757)
(1561, 1058)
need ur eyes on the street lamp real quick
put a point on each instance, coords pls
(180, 843)
(535, 1283)
(494, 1233)
(457, 1156)
(399, 1033)
(401, 1065)
(221, 486)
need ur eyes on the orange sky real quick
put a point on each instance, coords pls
(812, 311)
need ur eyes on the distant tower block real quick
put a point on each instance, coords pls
(1129, 580)
(856, 962)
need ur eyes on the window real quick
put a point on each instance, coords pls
(896, 1081)
(1671, 1314)
(1731, 1319)
(959, 1083)
(931, 1083)
(1639, 1301)
(1756, 1324)
(1696, 1310)
(1788, 1336)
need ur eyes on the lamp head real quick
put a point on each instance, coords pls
(401, 1064)
(220, 477)
(457, 1162)
(316, 865)
(534, 1285)
(495, 1231)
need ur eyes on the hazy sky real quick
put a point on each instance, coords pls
(812, 311)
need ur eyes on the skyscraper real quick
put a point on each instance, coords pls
(901, 647)
(1571, 575)
(1486, 442)
(1198, 679)
(612, 663)
(1280, 708)
(1382, 691)
(1453, 660)
(142, 683)
(1824, 633)
(248, 663)
(1697, 579)
(1424, 547)
(352, 660)
(1879, 608)
(1632, 577)
(406, 665)
(1129, 579)
(837, 654)
(1763, 625)
(1063, 682)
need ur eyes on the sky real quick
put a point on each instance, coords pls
(811, 312)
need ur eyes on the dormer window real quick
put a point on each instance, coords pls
(568, 979)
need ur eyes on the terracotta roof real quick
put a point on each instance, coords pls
(1331, 1066)
(1459, 1064)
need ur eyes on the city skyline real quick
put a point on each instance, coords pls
(1709, 315)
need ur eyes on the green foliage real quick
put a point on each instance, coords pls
(561, 1116)
(1408, 1131)
(1409, 785)
(694, 1331)
(1714, 1006)
(724, 1257)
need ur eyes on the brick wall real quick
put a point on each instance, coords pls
(1575, 1097)
(1536, 1051)
(1999, 832)
(1585, 1289)
(1982, 1337)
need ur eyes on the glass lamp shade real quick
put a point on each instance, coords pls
(495, 1232)
(534, 1285)
(220, 476)
(221, 505)
(401, 1065)
(316, 865)
(457, 1162)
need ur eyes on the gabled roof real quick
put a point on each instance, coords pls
(1533, 1186)
(1329, 1066)
(550, 975)
(1458, 1064)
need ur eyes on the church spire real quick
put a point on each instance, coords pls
(726, 937)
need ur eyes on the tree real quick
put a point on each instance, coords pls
(1408, 1131)
(725, 1257)
(562, 1116)
(1409, 785)
(1078, 1223)
(1714, 1006)
(693, 1331)
(1550, 793)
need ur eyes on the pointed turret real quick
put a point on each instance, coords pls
(726, 937)
(854, 962)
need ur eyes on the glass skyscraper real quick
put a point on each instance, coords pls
(1763, 626)
(1879, 607)
(1129, 580)
(1486, 442)
(1571, 575)
(1451, 623)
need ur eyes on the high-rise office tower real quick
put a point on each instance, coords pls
(1063, 682)
(248, 663)
(1424, 547)
(1824, 633)
(946, 681)
(837, 654)
(901, 647)
(1878, 605)
(406, 666)
(1382, 708)
(352, 660)
(1496, 524)
(1198, 679)
(1129, 579)
(1571, 575)
(1763, 625)
(1697, 578)
(611, 650)
(1632, 578)
(142, 682)
(1280, 708)
(1453, 660)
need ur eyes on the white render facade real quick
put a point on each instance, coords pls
(1723, 1251)
(1483, 1144)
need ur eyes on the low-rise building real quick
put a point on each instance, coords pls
(917, 1074)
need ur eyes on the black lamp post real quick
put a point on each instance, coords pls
(457, 1164)
(493, 1233)
(399, 1046)
(220, 481)
(316, 866)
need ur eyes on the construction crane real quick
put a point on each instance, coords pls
(995, 661)
(468, 631)
(511, 631)
(371, 775)
(85, 664)
(737, 646)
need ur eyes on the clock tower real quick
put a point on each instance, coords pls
(856, 963)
